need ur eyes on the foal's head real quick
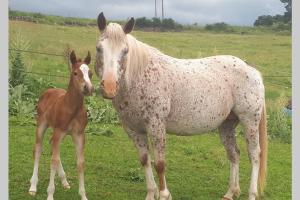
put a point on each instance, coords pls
(111, 57)
(81, 74)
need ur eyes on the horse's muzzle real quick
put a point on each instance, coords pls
(109, 89)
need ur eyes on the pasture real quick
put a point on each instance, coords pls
(197, 167)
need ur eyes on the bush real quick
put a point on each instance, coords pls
(219, 27)
(100, 110)
(17, 70)
(279, 124)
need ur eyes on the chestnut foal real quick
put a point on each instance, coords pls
(64, 111)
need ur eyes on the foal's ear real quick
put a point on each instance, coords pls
(129, 26)
(101, 22)
(73, 58)
(87, 59)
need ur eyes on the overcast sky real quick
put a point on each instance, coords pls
(235, 12)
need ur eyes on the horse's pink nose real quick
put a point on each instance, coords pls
(109, 88)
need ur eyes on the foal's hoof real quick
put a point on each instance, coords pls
(66, 186)
(32, 193)
(227, 198)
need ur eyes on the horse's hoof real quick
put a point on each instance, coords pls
(32, 193)
(50, 198)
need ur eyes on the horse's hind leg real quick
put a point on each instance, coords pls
(251, 126)
(227, 134)
(141, 143)
(40, 130)
(252, 139)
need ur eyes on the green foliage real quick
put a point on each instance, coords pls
(280, 22)
(20, 103)
(17, 70)
(100, 110)
(264, 20)
(279, 124)
(219, 27)
(166, 24)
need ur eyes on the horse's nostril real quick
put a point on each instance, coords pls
(102, 83)
(85, 87)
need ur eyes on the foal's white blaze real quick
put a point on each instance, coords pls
(85, 71)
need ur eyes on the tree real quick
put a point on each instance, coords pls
(264, 20)
(288, 7)
(268, 20)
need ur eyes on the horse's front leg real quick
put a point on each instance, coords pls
(156, 130)
(141, 142)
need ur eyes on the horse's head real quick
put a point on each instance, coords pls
(111, 57)
(81, 74)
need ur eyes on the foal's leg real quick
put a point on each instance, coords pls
(40, 130)
(157, 132)
(227, 134)
(79, 141)
(62, 175)
(141, 143)
(55, 160)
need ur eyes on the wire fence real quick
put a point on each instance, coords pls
(62, 55)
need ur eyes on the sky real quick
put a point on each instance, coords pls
(234, 12)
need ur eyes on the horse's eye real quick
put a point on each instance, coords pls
(75, 73)
(125, 51)
(99, 49)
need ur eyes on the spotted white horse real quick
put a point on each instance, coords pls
(154, 93)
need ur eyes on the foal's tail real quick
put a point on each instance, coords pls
(263, 143)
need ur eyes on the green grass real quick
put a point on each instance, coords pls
(270, 53)
(197, 167)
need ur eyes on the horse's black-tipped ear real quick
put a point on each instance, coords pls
(101, 22)
(129, 26)
(87, 59)
(73, 57)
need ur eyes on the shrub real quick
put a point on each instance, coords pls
(17, 70)
(219, 27)
(279, 124)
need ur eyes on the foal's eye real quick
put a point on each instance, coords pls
(75, 73)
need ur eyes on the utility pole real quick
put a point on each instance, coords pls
(162, 10)
(155, 10)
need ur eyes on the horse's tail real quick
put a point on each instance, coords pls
(263, 143)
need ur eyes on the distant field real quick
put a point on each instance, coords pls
(270, 53)
(197, 166)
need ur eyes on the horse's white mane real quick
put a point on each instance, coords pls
(137, 58)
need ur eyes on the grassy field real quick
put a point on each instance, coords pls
(197, 166)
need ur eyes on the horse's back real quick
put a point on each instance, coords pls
(207, 90)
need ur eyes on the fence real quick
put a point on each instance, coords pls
(268, 77)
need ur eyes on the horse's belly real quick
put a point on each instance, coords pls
(193, 124)
(199, 111)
